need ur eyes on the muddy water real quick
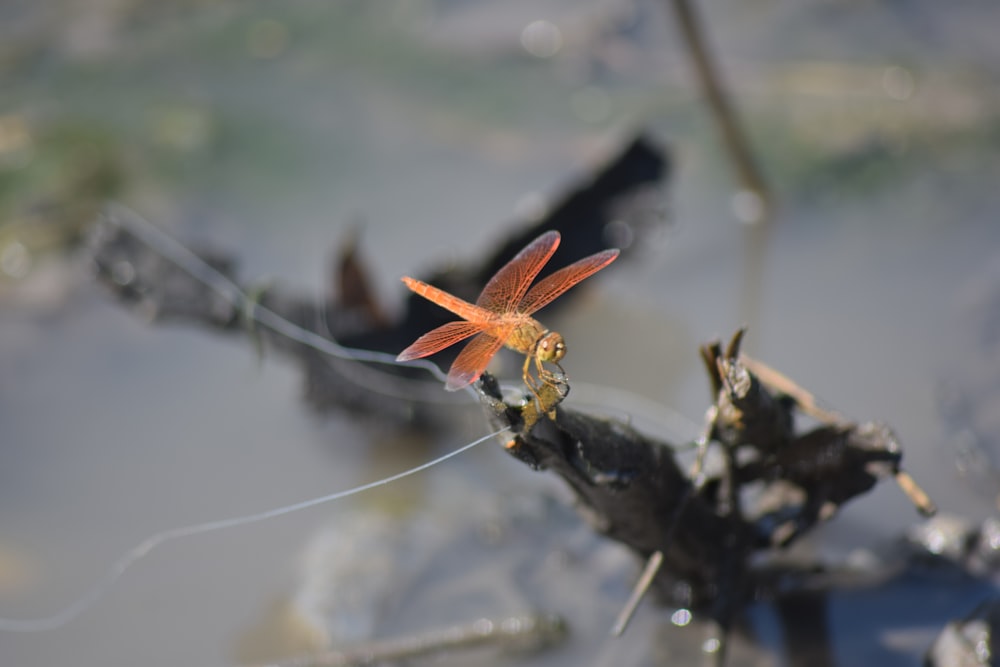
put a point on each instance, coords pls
(266, 130)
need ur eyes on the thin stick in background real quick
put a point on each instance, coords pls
(515, 634)
(645, 581)
(723, 112)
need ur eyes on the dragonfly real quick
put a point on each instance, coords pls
(501, 316)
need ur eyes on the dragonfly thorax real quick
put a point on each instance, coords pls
(534, 340)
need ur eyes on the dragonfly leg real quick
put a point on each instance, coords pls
(547, 387)
(526, 375)
(553, 379)
(556, 382)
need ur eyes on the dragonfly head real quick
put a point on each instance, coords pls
(551, 347)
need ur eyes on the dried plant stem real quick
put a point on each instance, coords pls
(723, 112)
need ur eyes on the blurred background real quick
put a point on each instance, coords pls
(269, 128)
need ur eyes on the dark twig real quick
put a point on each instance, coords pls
(699, 538)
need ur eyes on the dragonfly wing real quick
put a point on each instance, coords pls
(549, 288)
(440, 338)
(472, 361)
(460, 307)
(505, 290)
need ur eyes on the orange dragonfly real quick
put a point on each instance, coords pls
(502, 315)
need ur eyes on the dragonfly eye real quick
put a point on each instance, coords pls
(551, 347)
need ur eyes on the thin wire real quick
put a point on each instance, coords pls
(195, 266)
(211, 277)
(633, 405)
(214, 279)
(231, 292)
(130, 557)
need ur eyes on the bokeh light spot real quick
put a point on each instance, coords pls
(541, 39)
